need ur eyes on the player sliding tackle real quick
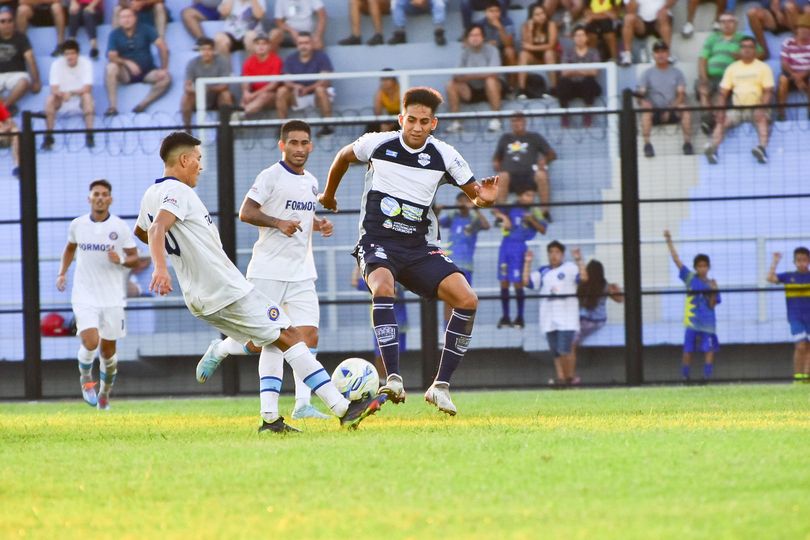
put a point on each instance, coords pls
(174, 217)
(398, 230)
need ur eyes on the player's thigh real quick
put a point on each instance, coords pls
(253, 317)
(87, 317)
(113, 325)
(372, 255)
(429, 268)
(456, 291)
(799, 329)
(301, 303)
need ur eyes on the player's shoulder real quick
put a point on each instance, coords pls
(376, 138)
(444, 148)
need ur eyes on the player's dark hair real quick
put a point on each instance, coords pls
(474, 27)
(305, 34)
(801, 250)
(175, 140)
(524, 189)
(492, 3)
(701, 257)
(294, 125)
(555, 244)
(101, 182)
(422, 95)
(590, 291)
(748, 39)
(70, 45)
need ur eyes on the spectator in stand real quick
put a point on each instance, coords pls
(130, 61)
(296, 16)
(646, 18)
(71, 82)
(8, 126)
(572, 10)
(601, 23)
(258, 96)
(42, 13)
(774, 16)
(468, 6)
(243, 19)
(194, 15)
(207, 64)
(663, 89)
(750, 82)
(374, 8)
(148, 12)
(521, 160)
(593, 294)
(795, 57)
(401, 8)
(90, 13)
(539, 45)
(718, 52)
(18, 65)
(499, 31)
(387, 100)
(691, 9)
(578, 83)
(300, 95)
(477, 87)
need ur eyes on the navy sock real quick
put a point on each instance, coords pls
(386, 332)
(520, 294)
(685, 371)
(708, 371)
(456, 340)
(505, 302)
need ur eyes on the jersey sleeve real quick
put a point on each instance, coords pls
(684, 274)
(364, 146)
(457, 168)
(261, 189)
(71, 236)
(784, 277)
(175, 201)
(535, 280)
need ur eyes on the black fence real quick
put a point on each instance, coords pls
(607, 199)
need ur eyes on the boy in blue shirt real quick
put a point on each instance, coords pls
(797, 297)
(520, 224)
(698, 316)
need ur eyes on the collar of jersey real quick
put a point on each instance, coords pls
(90, 215)
(159, 180)
(288, 169)
(412, 150)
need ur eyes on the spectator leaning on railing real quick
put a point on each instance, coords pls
(18, 65)
(795, 58)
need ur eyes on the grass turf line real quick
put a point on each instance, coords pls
(706, 462)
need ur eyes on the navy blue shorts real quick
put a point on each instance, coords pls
(560, 342)
(800, 327)
(510, 262)
(419, 269)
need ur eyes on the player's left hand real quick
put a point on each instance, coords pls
(113, 257)
(326, 227)
(487, 190)
(161, 282)
(330, 203)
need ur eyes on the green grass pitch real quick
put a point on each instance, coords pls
(700, 462)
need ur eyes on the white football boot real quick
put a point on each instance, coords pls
(439, 395)
(393, 388)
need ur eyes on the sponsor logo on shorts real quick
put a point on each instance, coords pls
(380, 253)
(273, 313)
(390, 207)
(385, 334)
(412, 213)
(462, 343)
(387, 224)
(423, 159)
(113, 235)
(391, 153)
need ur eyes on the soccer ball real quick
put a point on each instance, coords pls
(355, 378)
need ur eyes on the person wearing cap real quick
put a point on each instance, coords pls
(207, 64)
(646, 18)
(71, 83)
(663, 89)
(295, 16)
(18, 66)
(795, 58)
(257, 96)
(749, 82)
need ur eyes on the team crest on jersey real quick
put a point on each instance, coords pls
(561, 275)
(423, 159)
(113, 236)
(273, 313)
(390, 207)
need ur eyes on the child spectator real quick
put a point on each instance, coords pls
(699, 317)
(296, 16)
(601, 23)
(207, 64)
(243, 20)
(199, 11)
(71, 83)
(374, 8)
(578, 83)
(519, 226)
(7, 127)
(18, 65)
(797, 297)
(559, 307)
(258, 96)
(42, 13)
(795, 65)
(90, 13)
(539, 45)
(593, 294)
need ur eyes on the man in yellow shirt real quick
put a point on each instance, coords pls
(750, 82)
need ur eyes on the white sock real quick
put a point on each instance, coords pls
(312, 373)
(85, 357)
(271, 368)
(108, 369)
(303, 394)
(229, 347)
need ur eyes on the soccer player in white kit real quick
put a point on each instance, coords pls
(281, 203)
(105, 251)
(174, 220)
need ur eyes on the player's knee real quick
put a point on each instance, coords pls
(467, 300)
(107, 351)
(255, 349)
(90, 342)
(112, 69)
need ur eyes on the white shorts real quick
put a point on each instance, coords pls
(307, 101)
(298, 299)
(254, 317)
(71, 106)
(110, 321)
(9, 80)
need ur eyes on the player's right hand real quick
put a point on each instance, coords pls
(161, 282)
(61, 281)
(330, 203)
(289, 226)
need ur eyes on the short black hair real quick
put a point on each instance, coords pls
(422, 95)
(70, 45)
(579, 27)
(101, 182)
(174, 140)
(294, 125)
(305, 34)
(474, 27)
(492, 3)
(801, 250)
(701, 257)
(205, 41)
(555, 244)
(748, 38)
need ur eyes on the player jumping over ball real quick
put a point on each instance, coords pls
(398, 231)
(172, 217)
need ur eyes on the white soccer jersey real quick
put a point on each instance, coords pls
(401, 185)
(284, 194)
(97, 281)
(208, 278)
(558, 313)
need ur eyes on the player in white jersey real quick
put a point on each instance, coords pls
(104, 249)
(174, 220)
(399, 231)
(281, 203)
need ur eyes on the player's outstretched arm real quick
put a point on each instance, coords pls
(340, 165)
(483, 194)
(772, 271)
(672, 251)
(67, 259)
(527, 267)
(161, 280)
(251, 213)
(583, 270)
